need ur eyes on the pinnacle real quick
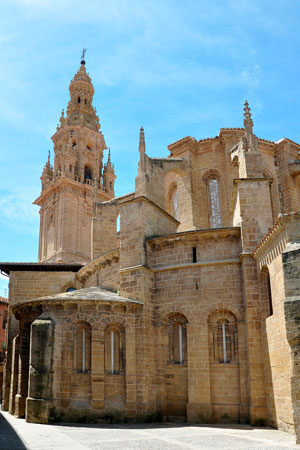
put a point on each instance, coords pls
(142, 135)
(247, 115)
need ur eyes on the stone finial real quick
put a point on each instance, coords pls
(142, 150)
(248, 122)
(47, 174)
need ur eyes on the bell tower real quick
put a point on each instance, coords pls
(75, 180)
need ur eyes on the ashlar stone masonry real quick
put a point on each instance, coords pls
(190, 312)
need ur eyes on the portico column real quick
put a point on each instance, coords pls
(23, 369)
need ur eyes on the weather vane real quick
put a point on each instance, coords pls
(83, 55)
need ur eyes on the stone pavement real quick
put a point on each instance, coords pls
(16, 434)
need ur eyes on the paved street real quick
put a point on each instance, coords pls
(16, 434)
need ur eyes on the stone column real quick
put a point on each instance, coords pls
(130, 371)
(97, 372)
(24, 345)
(256, 378)
(14, 374)
(12, 330)
(39, 404)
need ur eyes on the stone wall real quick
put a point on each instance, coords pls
(33, 284)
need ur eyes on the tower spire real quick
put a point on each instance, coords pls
(142, 150)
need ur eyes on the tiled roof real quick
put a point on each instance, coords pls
(98, 294)
(287, 139)
(6, 267)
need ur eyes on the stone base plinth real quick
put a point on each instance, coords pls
(40, 411)
(20, 404)
(199, 412)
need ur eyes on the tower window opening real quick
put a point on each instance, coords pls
(110, 185)
(73, 144)
(78, 100)
(194, 254)
(70, 168)
(85, 101)
(87, 173)
(89, 148)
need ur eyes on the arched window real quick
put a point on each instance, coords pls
(176, 329)
(71, 289)
(214, 202)
(172, 201)
(114, 349)
(87, 173)
(82, 348)
(223, 337)
(110, 185)
(78, 100)
(175, 204)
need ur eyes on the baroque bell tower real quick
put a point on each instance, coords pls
(76, 179)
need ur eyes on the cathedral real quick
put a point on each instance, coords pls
(191, 312)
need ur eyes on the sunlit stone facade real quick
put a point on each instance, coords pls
(190, 312)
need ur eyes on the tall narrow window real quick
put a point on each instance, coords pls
(4, 319)
(176, 329)
(224, 342)
(214, 203)
(223, 337)
(114, 350)
(269, 293)
(175, 203)
(82, 354)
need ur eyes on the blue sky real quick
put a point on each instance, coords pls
(177, 68)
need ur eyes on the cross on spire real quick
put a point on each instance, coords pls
(83, 55)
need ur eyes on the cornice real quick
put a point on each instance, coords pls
(280, 225)
(210, 233)
(102, 261)
(59, 181)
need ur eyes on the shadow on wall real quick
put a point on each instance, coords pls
(9, 440)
